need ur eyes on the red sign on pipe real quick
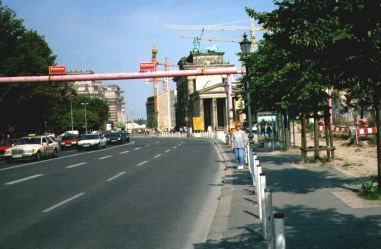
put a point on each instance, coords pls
(147, 66)
(57, 70)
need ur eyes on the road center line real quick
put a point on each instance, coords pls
(157, 142)
(167, 150)
(62, 203)
(148, 145)
(116, 176)
(124, 152)
(174, 147)
(23, 179)
(75, 165)
(142, 163)
(157, 156)
(101, 158)
(137, 148)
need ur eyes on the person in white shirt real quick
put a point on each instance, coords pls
(238, 141)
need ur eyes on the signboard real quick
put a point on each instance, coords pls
(147, 66)
(57, 70)
(197, 123)
(239, 104)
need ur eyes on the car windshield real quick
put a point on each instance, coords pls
(9, 142)
(90, 136)
(112, 135)
(30, 140)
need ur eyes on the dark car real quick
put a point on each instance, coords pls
(125, 136)
(69, 141)
(115, 137)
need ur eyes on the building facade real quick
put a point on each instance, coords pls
(202, 97)
(166, 106)
(111, 94)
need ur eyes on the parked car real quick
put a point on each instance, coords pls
(69, 141)
(90, 141)
(33, 147)
(116, 137)
(125, 135)
(7, 143)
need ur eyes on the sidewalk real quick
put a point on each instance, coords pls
(235, 224)
(321, 210)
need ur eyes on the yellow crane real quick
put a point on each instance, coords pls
(251, 28)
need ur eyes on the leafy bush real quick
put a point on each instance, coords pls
(369, 190)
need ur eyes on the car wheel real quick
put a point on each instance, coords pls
(99, 146)
(38, 156)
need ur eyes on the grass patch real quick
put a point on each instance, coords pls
(347, 164)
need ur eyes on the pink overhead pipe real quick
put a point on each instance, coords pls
(121, 76)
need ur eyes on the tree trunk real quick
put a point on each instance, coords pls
(316, 136)
(304, 138)
(330, 134)
(377, 107)
(286, 132)
(326, 121)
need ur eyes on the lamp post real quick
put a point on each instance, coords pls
(245, 49)
(85, 104)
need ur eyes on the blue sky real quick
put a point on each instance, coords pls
(114, 36)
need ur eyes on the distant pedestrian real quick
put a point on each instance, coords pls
(238, 141)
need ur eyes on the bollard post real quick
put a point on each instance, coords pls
(269, 212)
(258, 190)
(256, 174)
(263, 212)
(279, 234)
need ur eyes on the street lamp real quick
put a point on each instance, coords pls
(245, 49)
(85, 104)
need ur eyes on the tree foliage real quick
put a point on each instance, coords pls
(36, 107)
(313, 45)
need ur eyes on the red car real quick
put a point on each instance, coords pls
(7, 143)
(69, 141)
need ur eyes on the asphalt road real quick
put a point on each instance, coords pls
(149, 193)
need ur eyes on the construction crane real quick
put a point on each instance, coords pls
(211, 39)
(252, 29)
(155, 81)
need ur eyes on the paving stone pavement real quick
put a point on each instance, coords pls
(315, 217)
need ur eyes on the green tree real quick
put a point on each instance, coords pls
(31, 106)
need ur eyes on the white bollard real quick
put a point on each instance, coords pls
(258, 190)
(269, 214)
(279, 234)
(262, 181)
(256, 165)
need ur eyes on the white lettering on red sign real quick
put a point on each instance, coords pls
(147, 66)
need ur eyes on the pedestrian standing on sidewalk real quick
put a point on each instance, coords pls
(238, 141)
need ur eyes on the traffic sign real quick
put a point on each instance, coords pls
(54, 70)
(147, 66)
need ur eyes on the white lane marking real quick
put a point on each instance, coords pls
(75, 165)
(124, 152)
(137, 148)
(148, 145)
(23, 179)
(62, 157)
(167, 150)
(104, 157)
(142, 163)
(157, 156)
(174, 147)
(116, 176)
(157, 142)
(62, 203)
